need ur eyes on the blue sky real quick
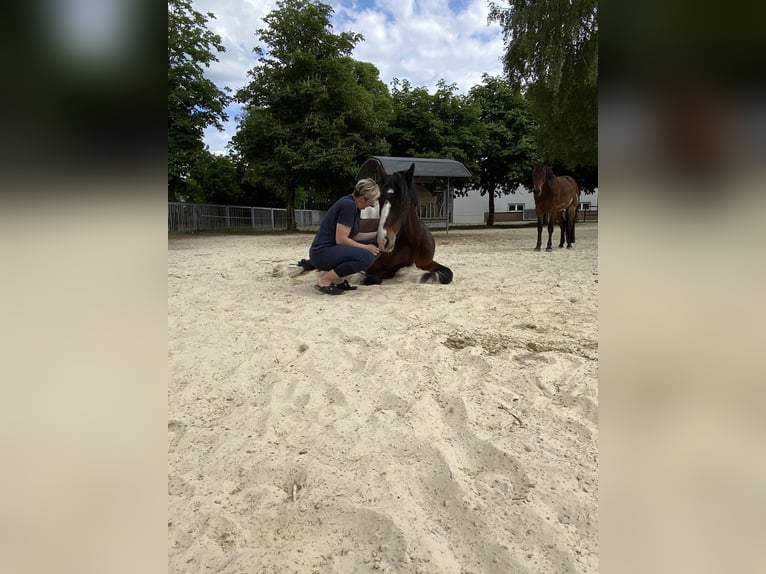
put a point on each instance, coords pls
(422, 41)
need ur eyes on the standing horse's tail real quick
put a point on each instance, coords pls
(570, 218)
(573, 222)
(576, 214)
(441, 274)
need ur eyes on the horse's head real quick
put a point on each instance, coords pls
(539, 174)
(398, 199)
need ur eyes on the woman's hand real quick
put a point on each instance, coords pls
(372, 248)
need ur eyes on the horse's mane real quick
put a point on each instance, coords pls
(410, 192)
(549, 173)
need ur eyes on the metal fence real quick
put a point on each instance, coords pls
(586, 214)
(190, 217)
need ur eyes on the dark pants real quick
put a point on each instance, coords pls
(344, 259)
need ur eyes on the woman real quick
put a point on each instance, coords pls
(339, 249)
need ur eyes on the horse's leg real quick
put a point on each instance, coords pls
(549, 247)
(424, 259)
(571, 214)
(562, 225)
(440, 273)
(374, 274)
(539, 232)
(390, 272)
(388, 264)
(372, 277)
(435, 271)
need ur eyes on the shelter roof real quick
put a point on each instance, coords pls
(424, 167)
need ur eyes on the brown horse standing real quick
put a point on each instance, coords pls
(556, 198)
(406, 239)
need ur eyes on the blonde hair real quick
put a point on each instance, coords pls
(367, 188)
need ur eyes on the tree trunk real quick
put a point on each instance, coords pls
(491, 214)
(173, 185)
(290, 197)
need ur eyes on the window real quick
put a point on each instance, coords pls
(584, 206)
(515, 207)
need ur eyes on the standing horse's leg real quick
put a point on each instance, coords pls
(549, 247)
(539, 232)
(565, 228)
(562, 225)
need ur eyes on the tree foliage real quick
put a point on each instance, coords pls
(552, 53)
(194, 102)
(508, 147)
(312, 112)
(213, 179)
(443, 124)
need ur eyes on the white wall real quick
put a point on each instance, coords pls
(469, 210)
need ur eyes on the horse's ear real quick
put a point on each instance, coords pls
(380, 174)
(410, 172)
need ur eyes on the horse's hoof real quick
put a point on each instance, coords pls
(445, 275)
(569, 247)
(549, 248)
(537, 249)
(442, 275)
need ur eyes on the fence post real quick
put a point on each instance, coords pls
(252, 216)
(272, 218)
(194, 218)
(228, 218)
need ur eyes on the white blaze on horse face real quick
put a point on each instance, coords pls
(384, 211)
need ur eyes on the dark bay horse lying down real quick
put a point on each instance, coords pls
(406, 239)
(556, 198)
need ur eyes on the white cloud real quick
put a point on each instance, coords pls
(236, 22)
(422, 41)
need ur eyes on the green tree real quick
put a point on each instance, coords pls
(508, 147)
(552, 53)
(311, 112)
(414, 129)
(443, 124)
(194, 102)
(213, 179)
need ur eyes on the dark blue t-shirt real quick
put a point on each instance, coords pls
(344, 211)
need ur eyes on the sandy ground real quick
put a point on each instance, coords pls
(403, 427)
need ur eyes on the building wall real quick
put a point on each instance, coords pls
(470, 210)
